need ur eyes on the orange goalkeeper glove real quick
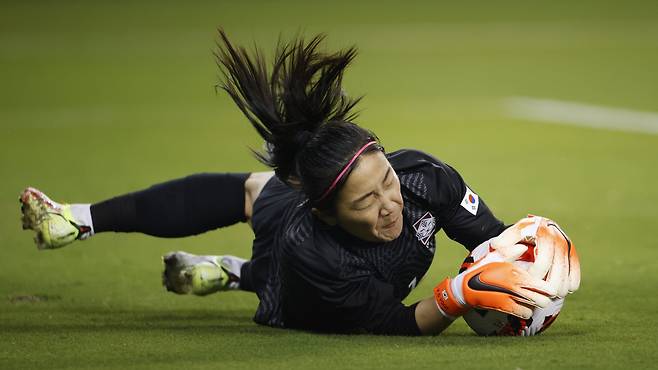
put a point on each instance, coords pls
(494, 283)
(555, 256)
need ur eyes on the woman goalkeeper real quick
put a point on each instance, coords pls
(343, 231)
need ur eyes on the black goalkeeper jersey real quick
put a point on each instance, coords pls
(312, 276)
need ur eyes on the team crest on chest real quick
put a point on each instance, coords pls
(425, 228)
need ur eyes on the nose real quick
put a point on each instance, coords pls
(388, 206)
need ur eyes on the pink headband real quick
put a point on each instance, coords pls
(345, 169)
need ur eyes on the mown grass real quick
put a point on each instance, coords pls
(104, 98)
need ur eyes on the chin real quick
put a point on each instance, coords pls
(390, 235)
(387, 238)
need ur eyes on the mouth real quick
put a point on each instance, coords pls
(390, 225)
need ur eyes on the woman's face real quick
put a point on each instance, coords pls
(369, 204)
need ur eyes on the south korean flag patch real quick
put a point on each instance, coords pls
(471, 201)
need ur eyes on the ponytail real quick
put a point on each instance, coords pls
(299, 109)
(288, 106)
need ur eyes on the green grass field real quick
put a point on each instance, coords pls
(101, 99)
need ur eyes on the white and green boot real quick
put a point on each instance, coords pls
(186, 273)
(55, 224)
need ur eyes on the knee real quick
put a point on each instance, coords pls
(252, 188)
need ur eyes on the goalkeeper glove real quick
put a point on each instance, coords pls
(494, 283)
(555, 256)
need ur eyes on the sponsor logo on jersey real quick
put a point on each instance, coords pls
(425, 228)
(471, 201)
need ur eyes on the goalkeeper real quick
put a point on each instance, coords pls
(343, 231)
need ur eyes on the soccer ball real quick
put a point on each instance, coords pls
(491, 322)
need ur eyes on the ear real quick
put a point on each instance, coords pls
(294, 182)
(324, 216)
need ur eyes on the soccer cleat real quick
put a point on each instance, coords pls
(53, 223)
(186, 273)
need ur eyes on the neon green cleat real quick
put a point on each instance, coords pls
(53, 222)
(186, 273)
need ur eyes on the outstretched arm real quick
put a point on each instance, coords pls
(490, 283)
(429, 319)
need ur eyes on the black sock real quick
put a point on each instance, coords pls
(182, 207)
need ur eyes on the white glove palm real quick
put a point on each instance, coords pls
(555, 257)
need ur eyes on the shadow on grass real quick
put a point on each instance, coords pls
(166, 337)
(212, 321)
(100, 319)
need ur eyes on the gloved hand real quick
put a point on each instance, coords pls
(554, 255)
(493, 282)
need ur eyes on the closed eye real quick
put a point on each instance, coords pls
(388, 181)
(364, 207)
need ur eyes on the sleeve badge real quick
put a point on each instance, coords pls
(471, 201)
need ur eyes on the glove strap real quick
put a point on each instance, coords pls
(446, 301)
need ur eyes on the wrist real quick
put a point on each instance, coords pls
(450, 305)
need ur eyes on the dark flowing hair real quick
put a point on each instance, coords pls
(299, 109)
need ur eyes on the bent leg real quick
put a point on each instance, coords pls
(186, 273)
(252, 189)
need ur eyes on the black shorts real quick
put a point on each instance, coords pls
(260, 274)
